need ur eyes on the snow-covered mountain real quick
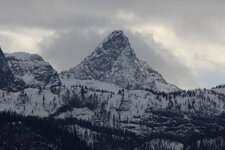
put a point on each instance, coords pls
(33, 70)
(113, 89)
(106, 87)
(114, 61)
(8, 81)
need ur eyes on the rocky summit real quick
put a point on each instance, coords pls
(114, 61)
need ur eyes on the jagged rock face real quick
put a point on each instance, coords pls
(8, 81)
(33, 70)
(114, 61)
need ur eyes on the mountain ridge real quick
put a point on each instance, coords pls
(34, 70)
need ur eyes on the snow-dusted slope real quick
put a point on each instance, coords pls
(114, 61)
(91, 84)
(31, 101)
(144, 112)
(7, 79)
(33, 70)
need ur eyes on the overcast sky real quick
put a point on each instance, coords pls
(183, 40)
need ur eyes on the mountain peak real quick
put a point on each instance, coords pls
(117, 33)
(115, 44)
(117, 40)
(114, 61)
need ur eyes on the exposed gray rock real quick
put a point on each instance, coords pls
(8, 81)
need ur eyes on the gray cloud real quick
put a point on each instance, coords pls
(190, 15)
